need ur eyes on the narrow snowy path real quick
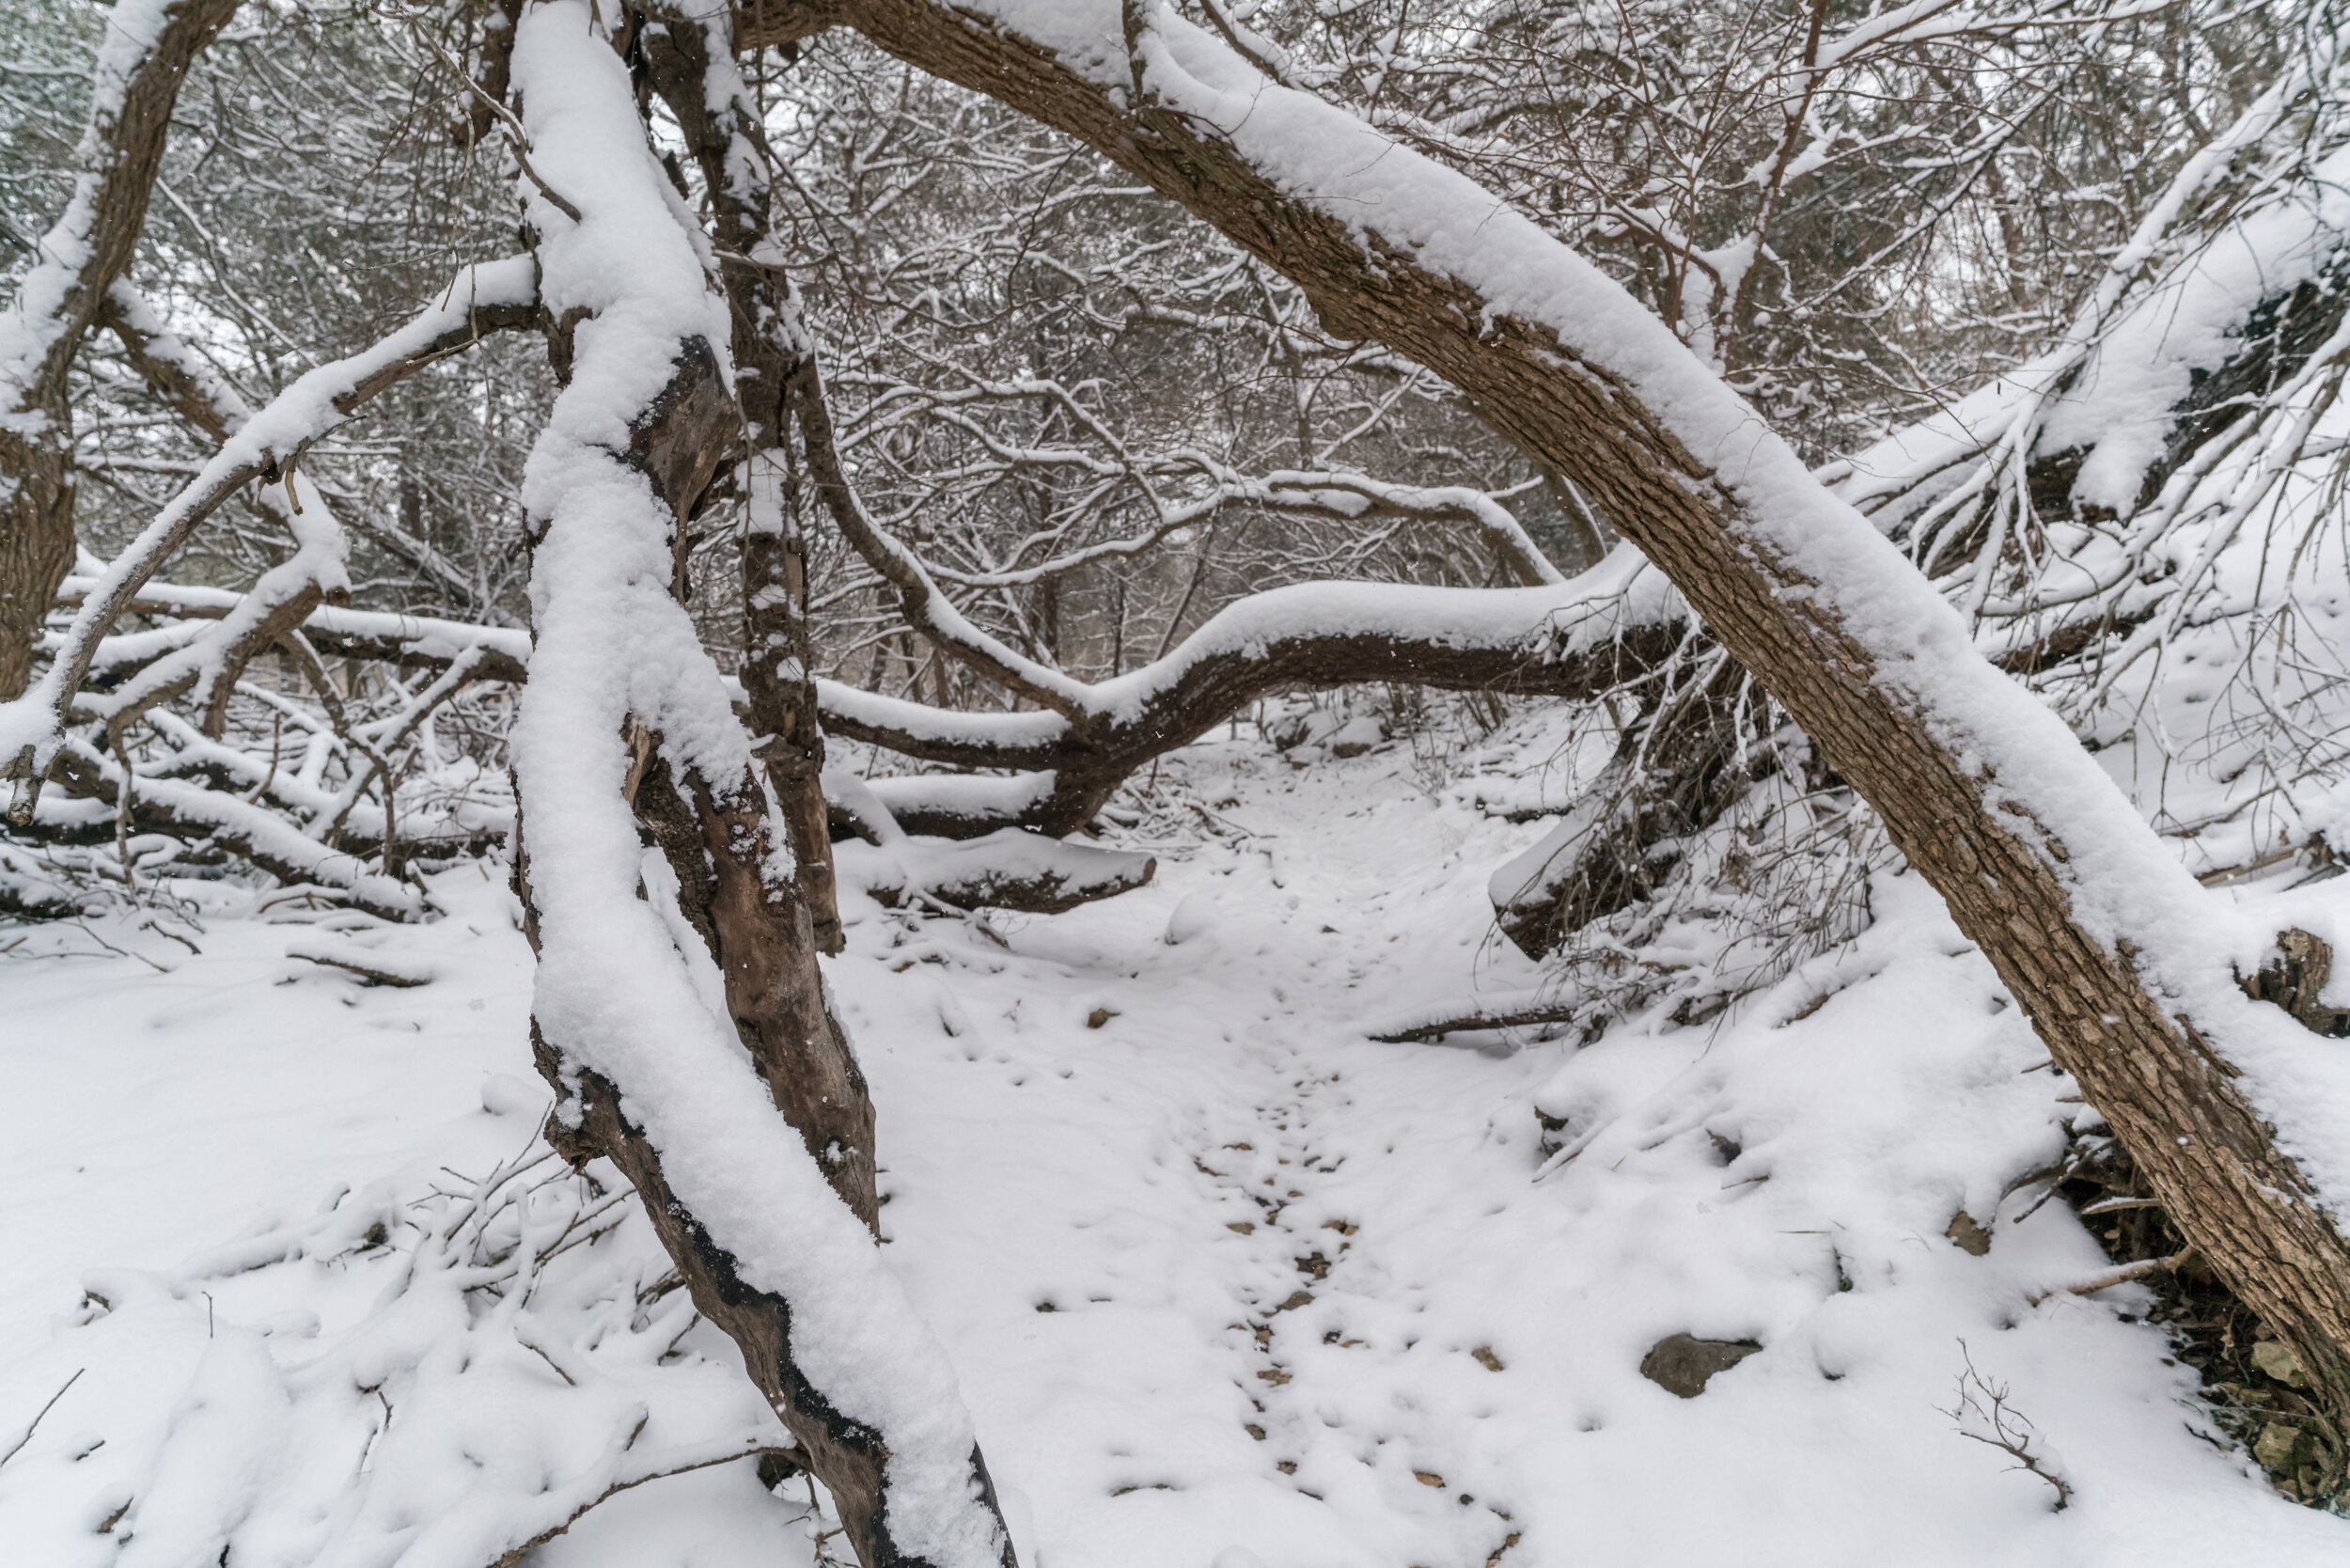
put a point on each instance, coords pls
(1227, 1284)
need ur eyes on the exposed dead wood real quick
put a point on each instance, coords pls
(2296, 979)
(1007, 869)
(1502, 1012)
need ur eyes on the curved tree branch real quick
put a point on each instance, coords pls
(485, 298)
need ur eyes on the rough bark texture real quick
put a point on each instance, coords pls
(37, 437)
(847, 1457)
(770, 360)
(761, 940)
(718, 836)
(2163, 1091)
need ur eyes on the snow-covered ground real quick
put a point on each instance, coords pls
(1227, 1284)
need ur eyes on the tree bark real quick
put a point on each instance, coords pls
(770, 361)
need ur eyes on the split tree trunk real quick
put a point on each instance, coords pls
(1990, 846)
(737, 890)
(772, 366)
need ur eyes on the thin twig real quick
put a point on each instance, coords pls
(17, 1446)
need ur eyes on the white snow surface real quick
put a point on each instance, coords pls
(1461, 1377)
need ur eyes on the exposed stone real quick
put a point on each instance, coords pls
(1972, 1239)
(1682, 1364)
(2275, 1448)
(1356, 737)
(2277, 1359)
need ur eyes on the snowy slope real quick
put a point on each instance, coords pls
(1225, 1284)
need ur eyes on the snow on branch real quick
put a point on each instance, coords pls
(134, 81)
(484, 298)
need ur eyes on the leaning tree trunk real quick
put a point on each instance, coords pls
(133, 88)
(2091, 924)
(678, 973)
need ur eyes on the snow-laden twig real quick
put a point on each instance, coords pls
(38, 1416)
(518, 1363)
(1985, 1413)
(480, 298)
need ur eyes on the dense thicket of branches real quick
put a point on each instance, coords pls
(984, 455)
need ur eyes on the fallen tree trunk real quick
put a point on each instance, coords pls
(2101, 938)
(1008, 869)
(1574, 641)
(2224, 350)
(227, 822)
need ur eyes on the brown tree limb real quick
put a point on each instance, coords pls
(770, 350)
(696, 801)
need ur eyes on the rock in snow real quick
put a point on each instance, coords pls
(1682, 1364)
